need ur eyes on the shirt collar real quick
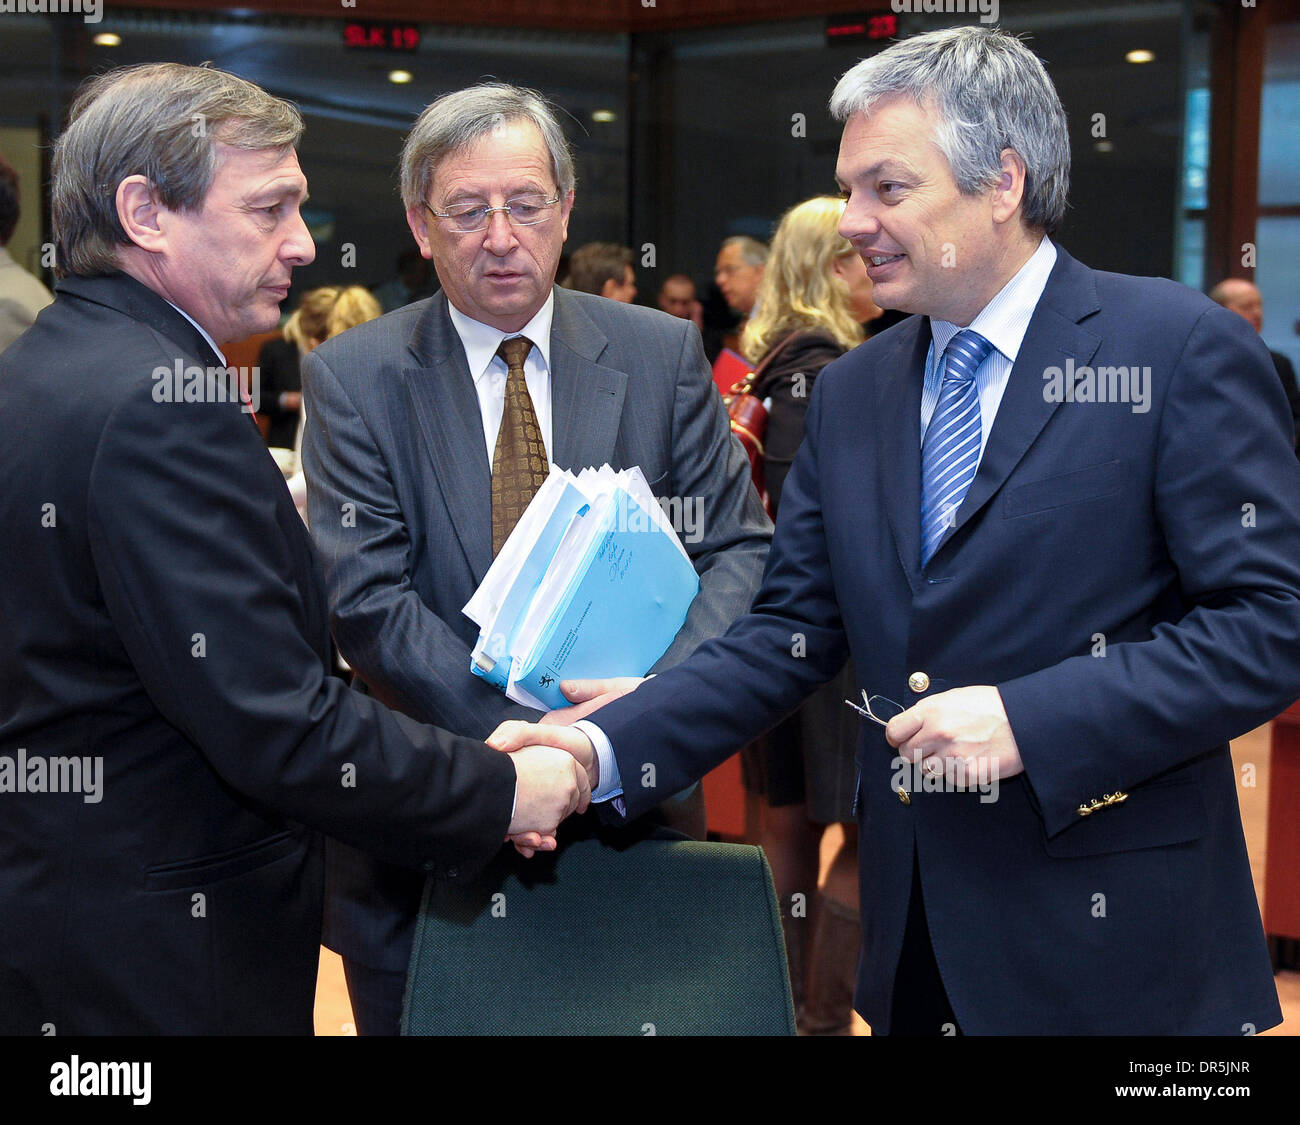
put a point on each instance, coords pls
(1005, 319)
(482, 340)
(202, 332)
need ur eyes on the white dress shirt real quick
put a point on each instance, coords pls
(489, 370)
(1003, 322)
(202, 332)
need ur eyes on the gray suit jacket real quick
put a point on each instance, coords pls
(399, 497)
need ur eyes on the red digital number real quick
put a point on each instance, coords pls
(882, 27)
(384, 37)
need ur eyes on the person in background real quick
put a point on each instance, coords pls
(605, 269)
(1242, 297)
(677, 298)
(813, 299)
(281, 390)
(737, 275)
(739, 272)
(414, 282)
(321, 313)
(21, 295)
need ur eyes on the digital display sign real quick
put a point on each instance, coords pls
(846, 29)
(368, 35)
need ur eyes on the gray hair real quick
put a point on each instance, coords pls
(160, 121)
(991, 93)
(458, 119)
(752, 252)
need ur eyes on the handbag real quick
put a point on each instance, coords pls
(748, 418)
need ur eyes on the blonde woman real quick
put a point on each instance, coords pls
(322, 313)
(814, 297)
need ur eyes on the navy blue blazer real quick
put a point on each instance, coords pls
(1130, 581)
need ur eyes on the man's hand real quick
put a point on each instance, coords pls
(590, 695)
(513, 735)
(964, 723)
(549, 785)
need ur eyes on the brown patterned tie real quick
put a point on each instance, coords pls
(519, 465)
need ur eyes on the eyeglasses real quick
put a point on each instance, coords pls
(522, 211)
(879, 709)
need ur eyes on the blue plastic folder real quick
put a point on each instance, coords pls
(614, 614)
(491, 658)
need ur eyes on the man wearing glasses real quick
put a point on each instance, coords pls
(430, 429)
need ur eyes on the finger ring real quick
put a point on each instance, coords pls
(933, 765)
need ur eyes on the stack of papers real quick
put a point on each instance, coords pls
(592, 582)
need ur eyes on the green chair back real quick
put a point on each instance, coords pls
(662, 937)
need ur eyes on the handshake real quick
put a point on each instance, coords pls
(948, 735)
(555, 766)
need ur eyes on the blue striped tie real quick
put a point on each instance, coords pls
(950, 453)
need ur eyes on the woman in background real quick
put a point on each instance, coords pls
(813, 300)
(322, 313)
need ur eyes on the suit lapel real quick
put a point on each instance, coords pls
(903, 370)
(1053, 336)
(586, 398)
(446, 404)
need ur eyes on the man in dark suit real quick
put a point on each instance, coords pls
(416, 424)
(170, 741)
(1056, 514)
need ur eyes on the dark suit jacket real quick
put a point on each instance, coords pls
(1131, 584)
(162, 612)
(1286, 373)
(279, 364)
(399, 494)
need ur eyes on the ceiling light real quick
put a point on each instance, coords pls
(1140, 56)
(604, 115)
(107, 39)
(400, 77)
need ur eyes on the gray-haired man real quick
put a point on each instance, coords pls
(1074, 587)
(169, 734)
(739, 272)
(411, 438)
